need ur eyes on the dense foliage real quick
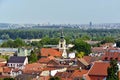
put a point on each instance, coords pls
(81, 46)
(14, 44)
(33, 57)
(72, 33)
(55, 78)
(112, 71)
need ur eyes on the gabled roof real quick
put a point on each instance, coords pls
(7, 70)
(83, 61)
(111, 55)
(63, 74)
(16, 59)
(78, 73)
(99, 69)
(43, 60)
(53, 62)
(50, 52)
(90, 59)
(34, 67)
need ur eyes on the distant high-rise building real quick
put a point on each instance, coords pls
(90, 24)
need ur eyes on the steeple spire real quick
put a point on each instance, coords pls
(62, 36)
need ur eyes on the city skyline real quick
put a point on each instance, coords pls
(59, 11)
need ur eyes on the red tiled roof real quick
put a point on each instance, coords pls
(63, 74)
(2, 64)
(86, 77)
(83, 61)
(99, 69)
(7, 70)
(90, 59)
(43, 60)
(50, 52)
(78, 73)
(53, 62)
(49, 69)
(33, 67)
(111, 55)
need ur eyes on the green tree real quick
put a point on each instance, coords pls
(108, 40)
(8, 79)
(33, 57)
(112, 71)
(19, 43)
(81, 46)
(55, 78)
(80, 54)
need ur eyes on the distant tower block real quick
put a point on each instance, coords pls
(62, 45)
(90, 24)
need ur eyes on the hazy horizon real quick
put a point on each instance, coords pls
(59, 11)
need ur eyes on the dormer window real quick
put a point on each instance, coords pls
(116, 58)
(111, 58)
(106, 58)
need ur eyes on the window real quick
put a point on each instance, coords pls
(116, 58)
(111, 58)
(106, 58)
(61, 45)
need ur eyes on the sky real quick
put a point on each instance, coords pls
(60, 11)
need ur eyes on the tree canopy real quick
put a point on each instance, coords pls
(55, 78)
(33, 57)
(81, 46)
(112, 71)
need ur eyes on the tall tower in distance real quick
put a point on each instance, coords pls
(90, 24)
(62, 45)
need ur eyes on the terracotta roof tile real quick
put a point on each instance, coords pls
(90, 59)
(99, 68)
(50, 52)
(43, 60)
(2, 64)
(82, 60)
(36, 67)
(64, 74)
(78, 73)
(7, 70)
(111, 55)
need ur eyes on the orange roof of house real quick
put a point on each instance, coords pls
(50, 52)
(99, 68)
(111, 55)
(43, 60)
(90, 59)
(63, 74)
(86, 77)
(83, 61)
(49, 69)
(2, 64)
(6, 70)
(78, 73)
(33, 67)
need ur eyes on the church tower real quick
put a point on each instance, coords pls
(62, 45)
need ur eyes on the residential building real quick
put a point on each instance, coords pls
(17, 62)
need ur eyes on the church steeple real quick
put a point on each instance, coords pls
(62, 36)
(62, 45)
